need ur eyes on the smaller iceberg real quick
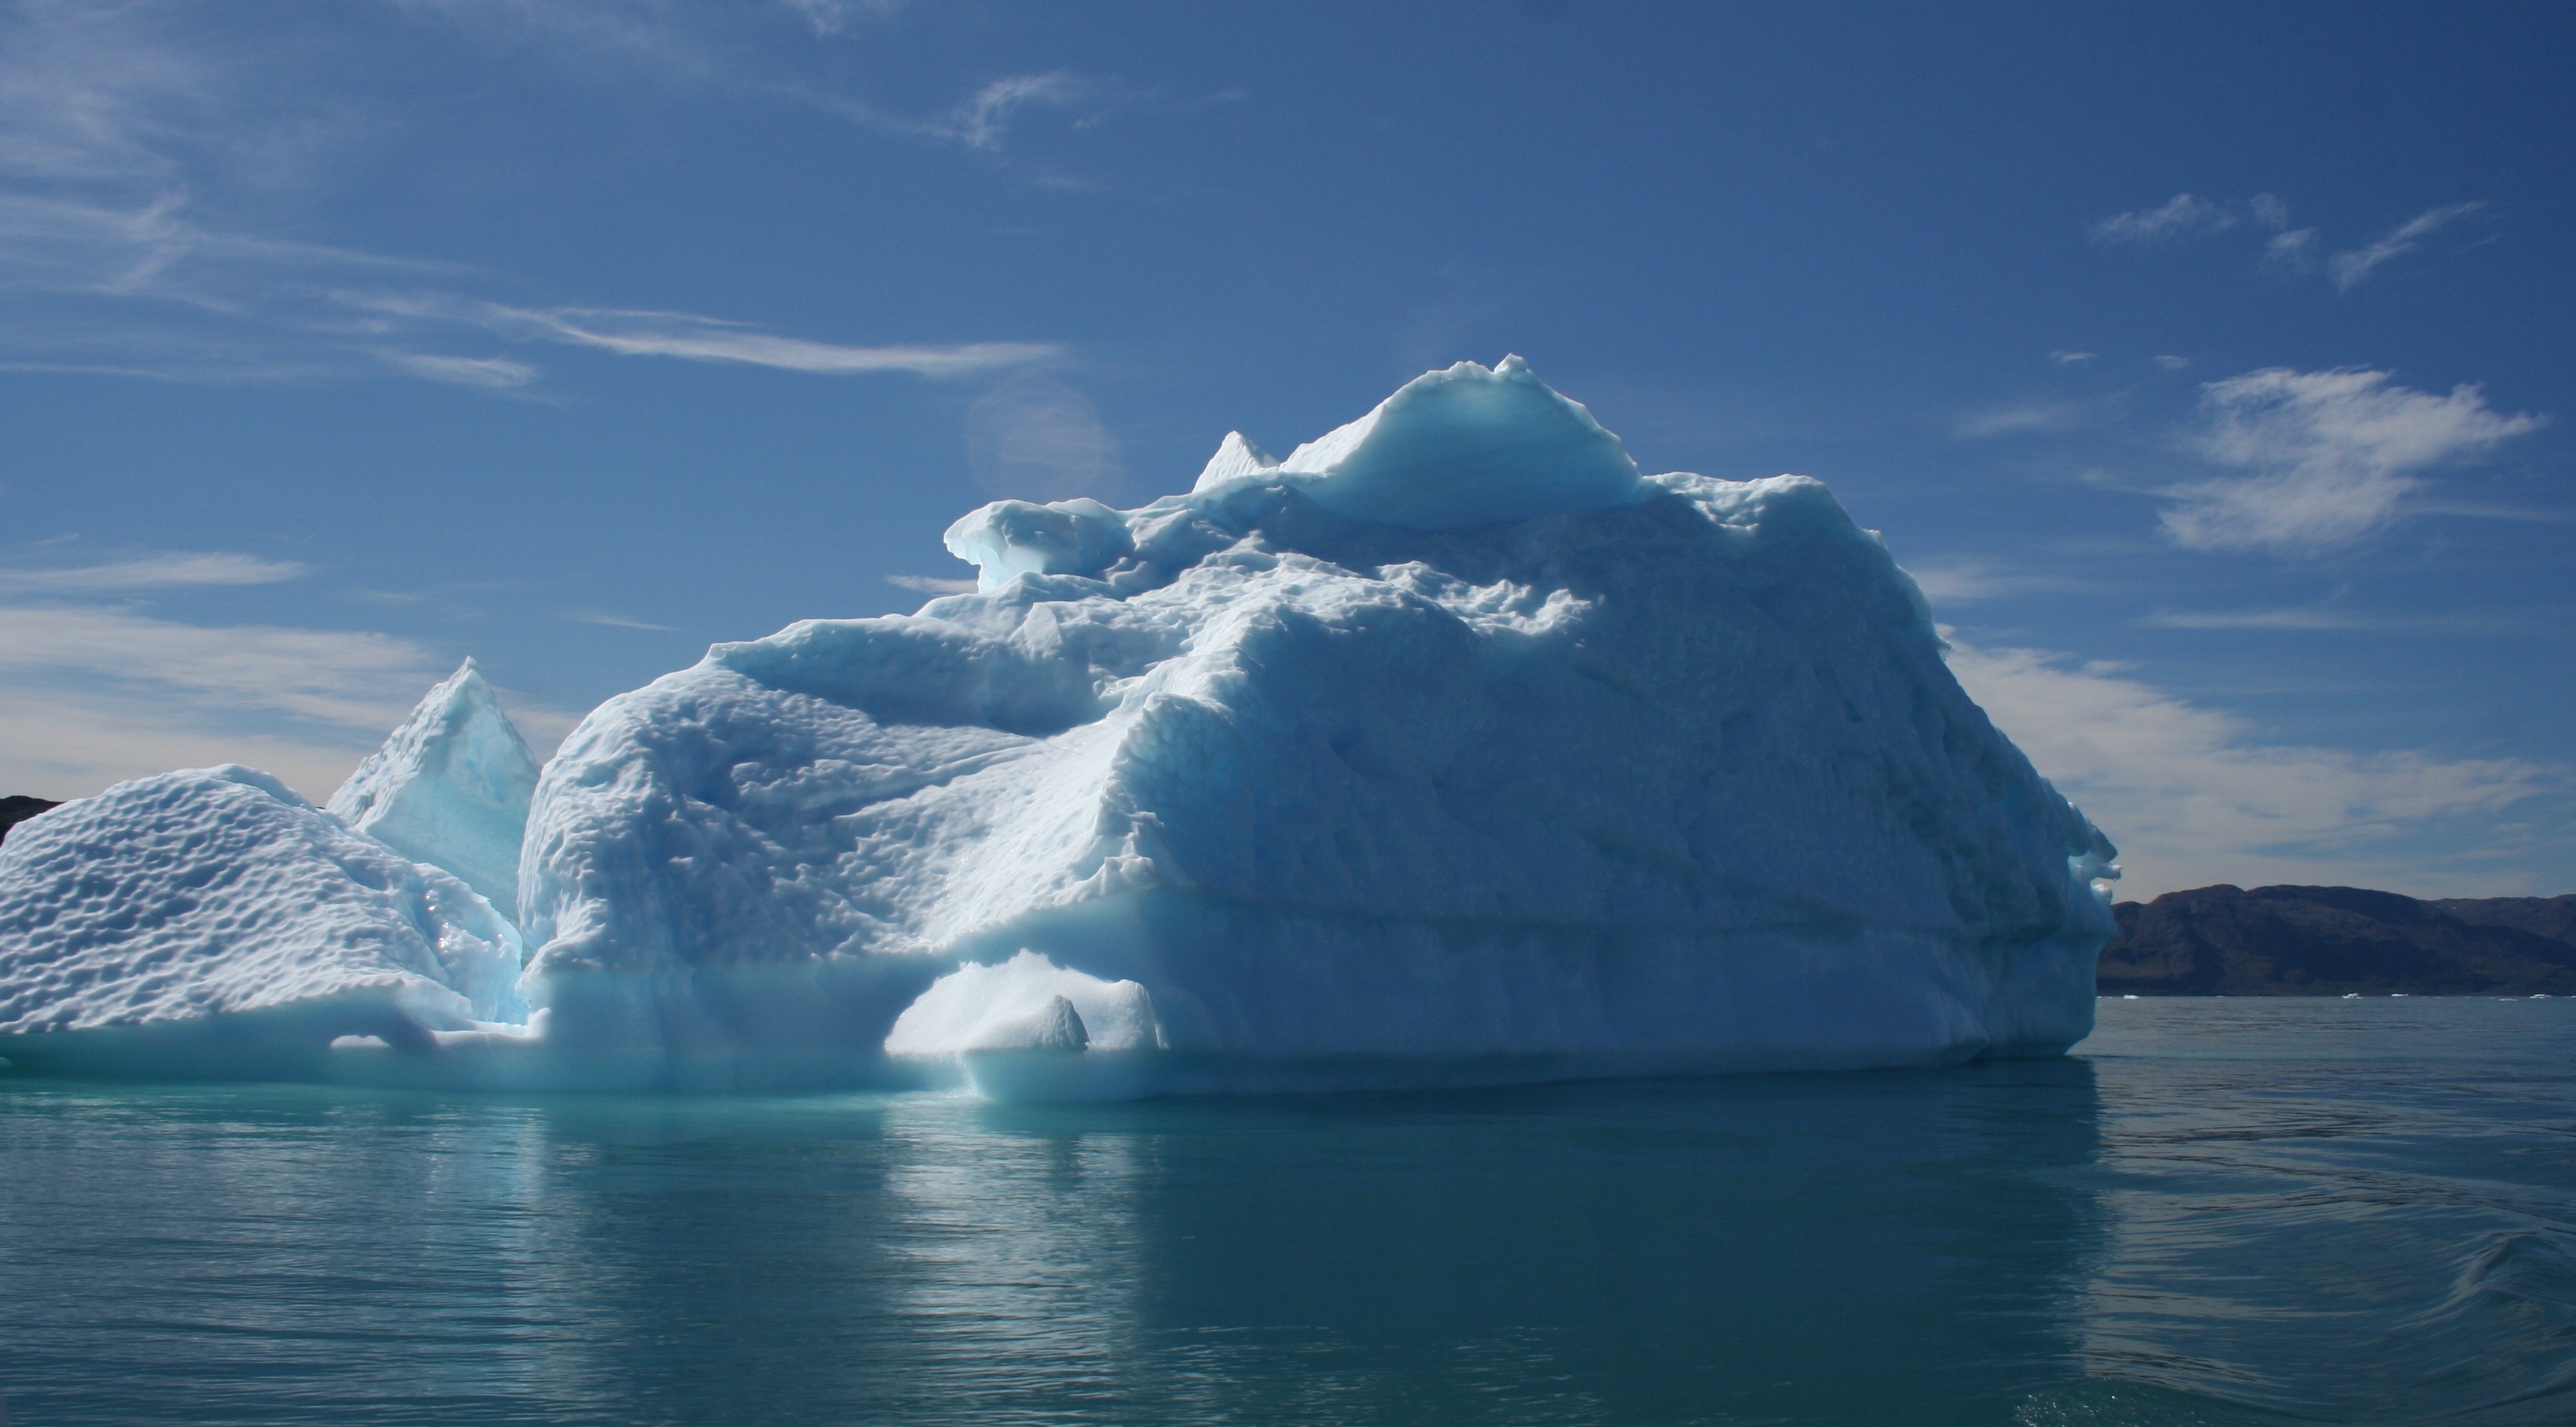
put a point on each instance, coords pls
(1028, 1029)
(210, 918)
(450, 788)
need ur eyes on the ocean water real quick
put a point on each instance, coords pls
(2217, 1212)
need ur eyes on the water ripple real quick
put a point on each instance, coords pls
(2221, 1212)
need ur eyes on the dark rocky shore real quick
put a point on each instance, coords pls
(2324, 941)
(17, 808)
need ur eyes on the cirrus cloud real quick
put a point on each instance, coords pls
(2184, 215)
(2330, 456)
(2195, 795)
(2351, 268)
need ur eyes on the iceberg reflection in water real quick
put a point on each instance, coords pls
(2220, 1213)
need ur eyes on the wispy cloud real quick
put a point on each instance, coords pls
(831, 17)
(615, 621)
(2352, 268)
(688, 47)
(94, 690)
(2196, 796)
(2331, 455)
(498, 373)
(2020, 416)
(981, 121)
(162, 571)
(2288, 249)
(93, 696)
(708, 339)
(2295, 250)
(681, 335)
(179, 302)
(355, 680)
(2184, 215)
(135, 141)
(71, 745)
(2305, 617)
(2071, 359)
(1965, 582)
(931, 584)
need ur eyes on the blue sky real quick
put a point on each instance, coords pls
(2208, 366)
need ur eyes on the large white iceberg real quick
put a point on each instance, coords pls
(1451, 748)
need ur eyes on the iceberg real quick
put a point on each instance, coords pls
(1450, 749)
(450, 788)
(211, 921)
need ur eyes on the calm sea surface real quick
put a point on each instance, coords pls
(2219, 1212)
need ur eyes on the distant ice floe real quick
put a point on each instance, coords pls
(1451, 749)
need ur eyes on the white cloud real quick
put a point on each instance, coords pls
(1968, 581)
(2194, 796)
(707, 339)
(495, 372)
(355, 680)
(2351, 268)
(92, 694)
(615, 621)
(2332, 454)
(831, 17)
(178, 568)
(2302, 617)
(2171, 363)
(686, 46)
(2182, 216)
(931, 584)
(684, 336)
(139, 143)
(2295, 250)
(2020, 416)
(2071, 359)
(70, 746)
(981, 121)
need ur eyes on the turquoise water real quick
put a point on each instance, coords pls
(2218, 1212)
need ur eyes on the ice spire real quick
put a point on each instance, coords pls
(450, 788)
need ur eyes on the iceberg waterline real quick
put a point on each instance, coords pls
(1451, 748)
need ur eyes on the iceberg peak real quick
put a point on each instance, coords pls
(450, 788)
(1465, 447)
(1236, 459)
(1018, 537)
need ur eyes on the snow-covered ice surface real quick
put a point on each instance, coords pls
(450, 788)
(1449, 749)
(212, 921)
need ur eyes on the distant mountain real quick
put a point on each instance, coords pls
(17, 808)
(2324, 941)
